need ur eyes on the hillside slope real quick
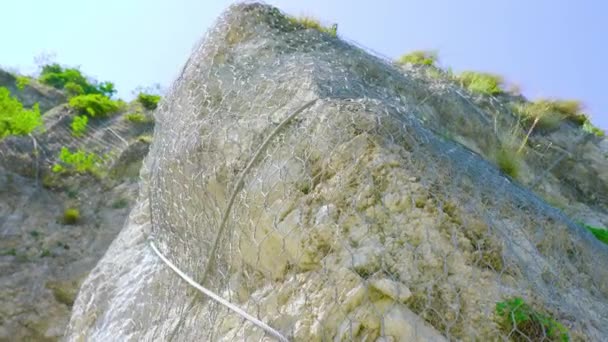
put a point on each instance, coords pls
(45, 255)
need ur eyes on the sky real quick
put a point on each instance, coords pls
(556, 49)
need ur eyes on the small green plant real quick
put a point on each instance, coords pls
(95, 105)
(523, 323)
(149, 101)
(79, 125)
(419, 58)
(22, 82)
(600, 233)
(79, 161)
(482, 83)
(312, 23)
(137, 118)
(14, 119)
(71, 216)
(45, 253)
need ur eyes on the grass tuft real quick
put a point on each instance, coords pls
(312, 23)
(419, 58)
(481, 82)
(71, 216)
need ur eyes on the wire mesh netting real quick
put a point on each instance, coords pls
(291, 175)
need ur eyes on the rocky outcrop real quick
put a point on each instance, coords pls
(295, 175)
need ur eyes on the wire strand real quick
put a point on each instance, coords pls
(219, 299)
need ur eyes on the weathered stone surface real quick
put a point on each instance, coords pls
(350, 220)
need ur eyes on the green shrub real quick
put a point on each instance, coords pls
(149, 101)
(14, 119)
(79, 125)
(600, 233)
(312, 23)
(480, 82)
(22, 82)
(79, 161)
(72, 80)
(95, 105)
(137, 118)
(419, 58)
(71, 216)
(523, 323)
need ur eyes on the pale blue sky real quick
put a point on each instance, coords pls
(555, 48)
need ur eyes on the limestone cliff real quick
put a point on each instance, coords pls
(328, 193)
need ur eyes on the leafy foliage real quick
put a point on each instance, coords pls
(149, 101)
(72, 80)
(524, 323)
(419, 58)
(79, 161)
(14, 119)
(79, 125)
(481, 82)
(22, 82)
(95, 105)
(312, 23)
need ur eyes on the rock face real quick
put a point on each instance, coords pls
(297, 177)
(43, 260)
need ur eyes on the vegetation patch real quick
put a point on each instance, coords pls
(73, 81)
(306, 22)
(481, 82)
(71, 216)
(508, 161)
(149, 101)
(95, 105)
(522, 323)
(79, 161)
(22, 82)
(14, 119)
(137, 118)
(79, 125)
(590, 128)
(419, 58)
(549, 114)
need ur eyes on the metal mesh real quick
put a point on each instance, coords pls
(355, 221)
